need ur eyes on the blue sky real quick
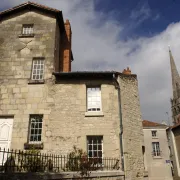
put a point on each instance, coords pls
(134, 33)
(141, 17)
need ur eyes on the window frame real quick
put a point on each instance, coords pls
(32, 69)
(87, 101)
(97, 144)
(156, 151)
(155, 133)
(30, 128)
(26, 26)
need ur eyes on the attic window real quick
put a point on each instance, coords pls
(27, 29)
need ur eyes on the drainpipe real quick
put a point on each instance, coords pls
(117, 86)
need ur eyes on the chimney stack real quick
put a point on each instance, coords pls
(67, 55)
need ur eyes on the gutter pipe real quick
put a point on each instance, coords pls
(117, 86)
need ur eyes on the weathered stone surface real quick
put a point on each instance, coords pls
(116, 175)
(63, 105)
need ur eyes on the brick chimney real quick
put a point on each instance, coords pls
(127, 71)
(67, 56)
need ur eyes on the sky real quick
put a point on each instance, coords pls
(116, 34)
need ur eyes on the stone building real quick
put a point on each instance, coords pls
(174, 131)
(157, 155)
(44, 103)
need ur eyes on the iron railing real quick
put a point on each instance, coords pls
(27, 161)
(156, 153)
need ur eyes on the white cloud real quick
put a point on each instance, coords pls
(96, 46)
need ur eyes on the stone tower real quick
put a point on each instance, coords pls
(175, 101)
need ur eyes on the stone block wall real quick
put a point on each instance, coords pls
(63, 105)
(64, 121)
(16, 53)
(132, 128)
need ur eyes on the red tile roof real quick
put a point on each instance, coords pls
(147, 123)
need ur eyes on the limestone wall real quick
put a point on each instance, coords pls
(16, 53)
(63, 105)
(64, 122)
(132, 128)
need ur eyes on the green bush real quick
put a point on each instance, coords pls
(31, 161)
(78, 161)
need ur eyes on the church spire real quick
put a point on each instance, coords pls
(175, 77)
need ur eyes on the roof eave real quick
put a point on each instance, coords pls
(92, 74)
(29, 5)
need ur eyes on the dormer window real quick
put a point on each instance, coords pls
(27, 29)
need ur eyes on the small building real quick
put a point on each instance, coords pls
(157, 155)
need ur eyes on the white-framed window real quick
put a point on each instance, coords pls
(156, 149)
(95, 147)
(94, 99)
(154, 133)
(37, 69)
(27, 29)
(35, 128)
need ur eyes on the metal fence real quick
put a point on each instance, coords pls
(29, 161)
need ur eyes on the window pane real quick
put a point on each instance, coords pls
(38, 69)
(39, 138)
(94, 99)
(154, 133)
(99, 153)
(27, 29)
(156, 148)
(94, 146)
(90, 154)
(35, 128)
(95, 153)
(99, 147)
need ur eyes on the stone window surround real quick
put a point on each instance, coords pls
(93, 96)
(154, 134)
(27, 29)
(33, 144)
(93, 113)
(41, 81)
(156, 153)
(26, 35)
(35, 125)
(94, 144)
(37, 72)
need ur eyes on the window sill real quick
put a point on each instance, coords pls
(26, 35)
(28, 146)
(157, 157)
(154, 137)
(36, 82)
(94, 114)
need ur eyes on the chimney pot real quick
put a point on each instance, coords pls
(126, 71)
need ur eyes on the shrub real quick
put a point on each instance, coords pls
(31, 161)
(9, 165)
(79, 161)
